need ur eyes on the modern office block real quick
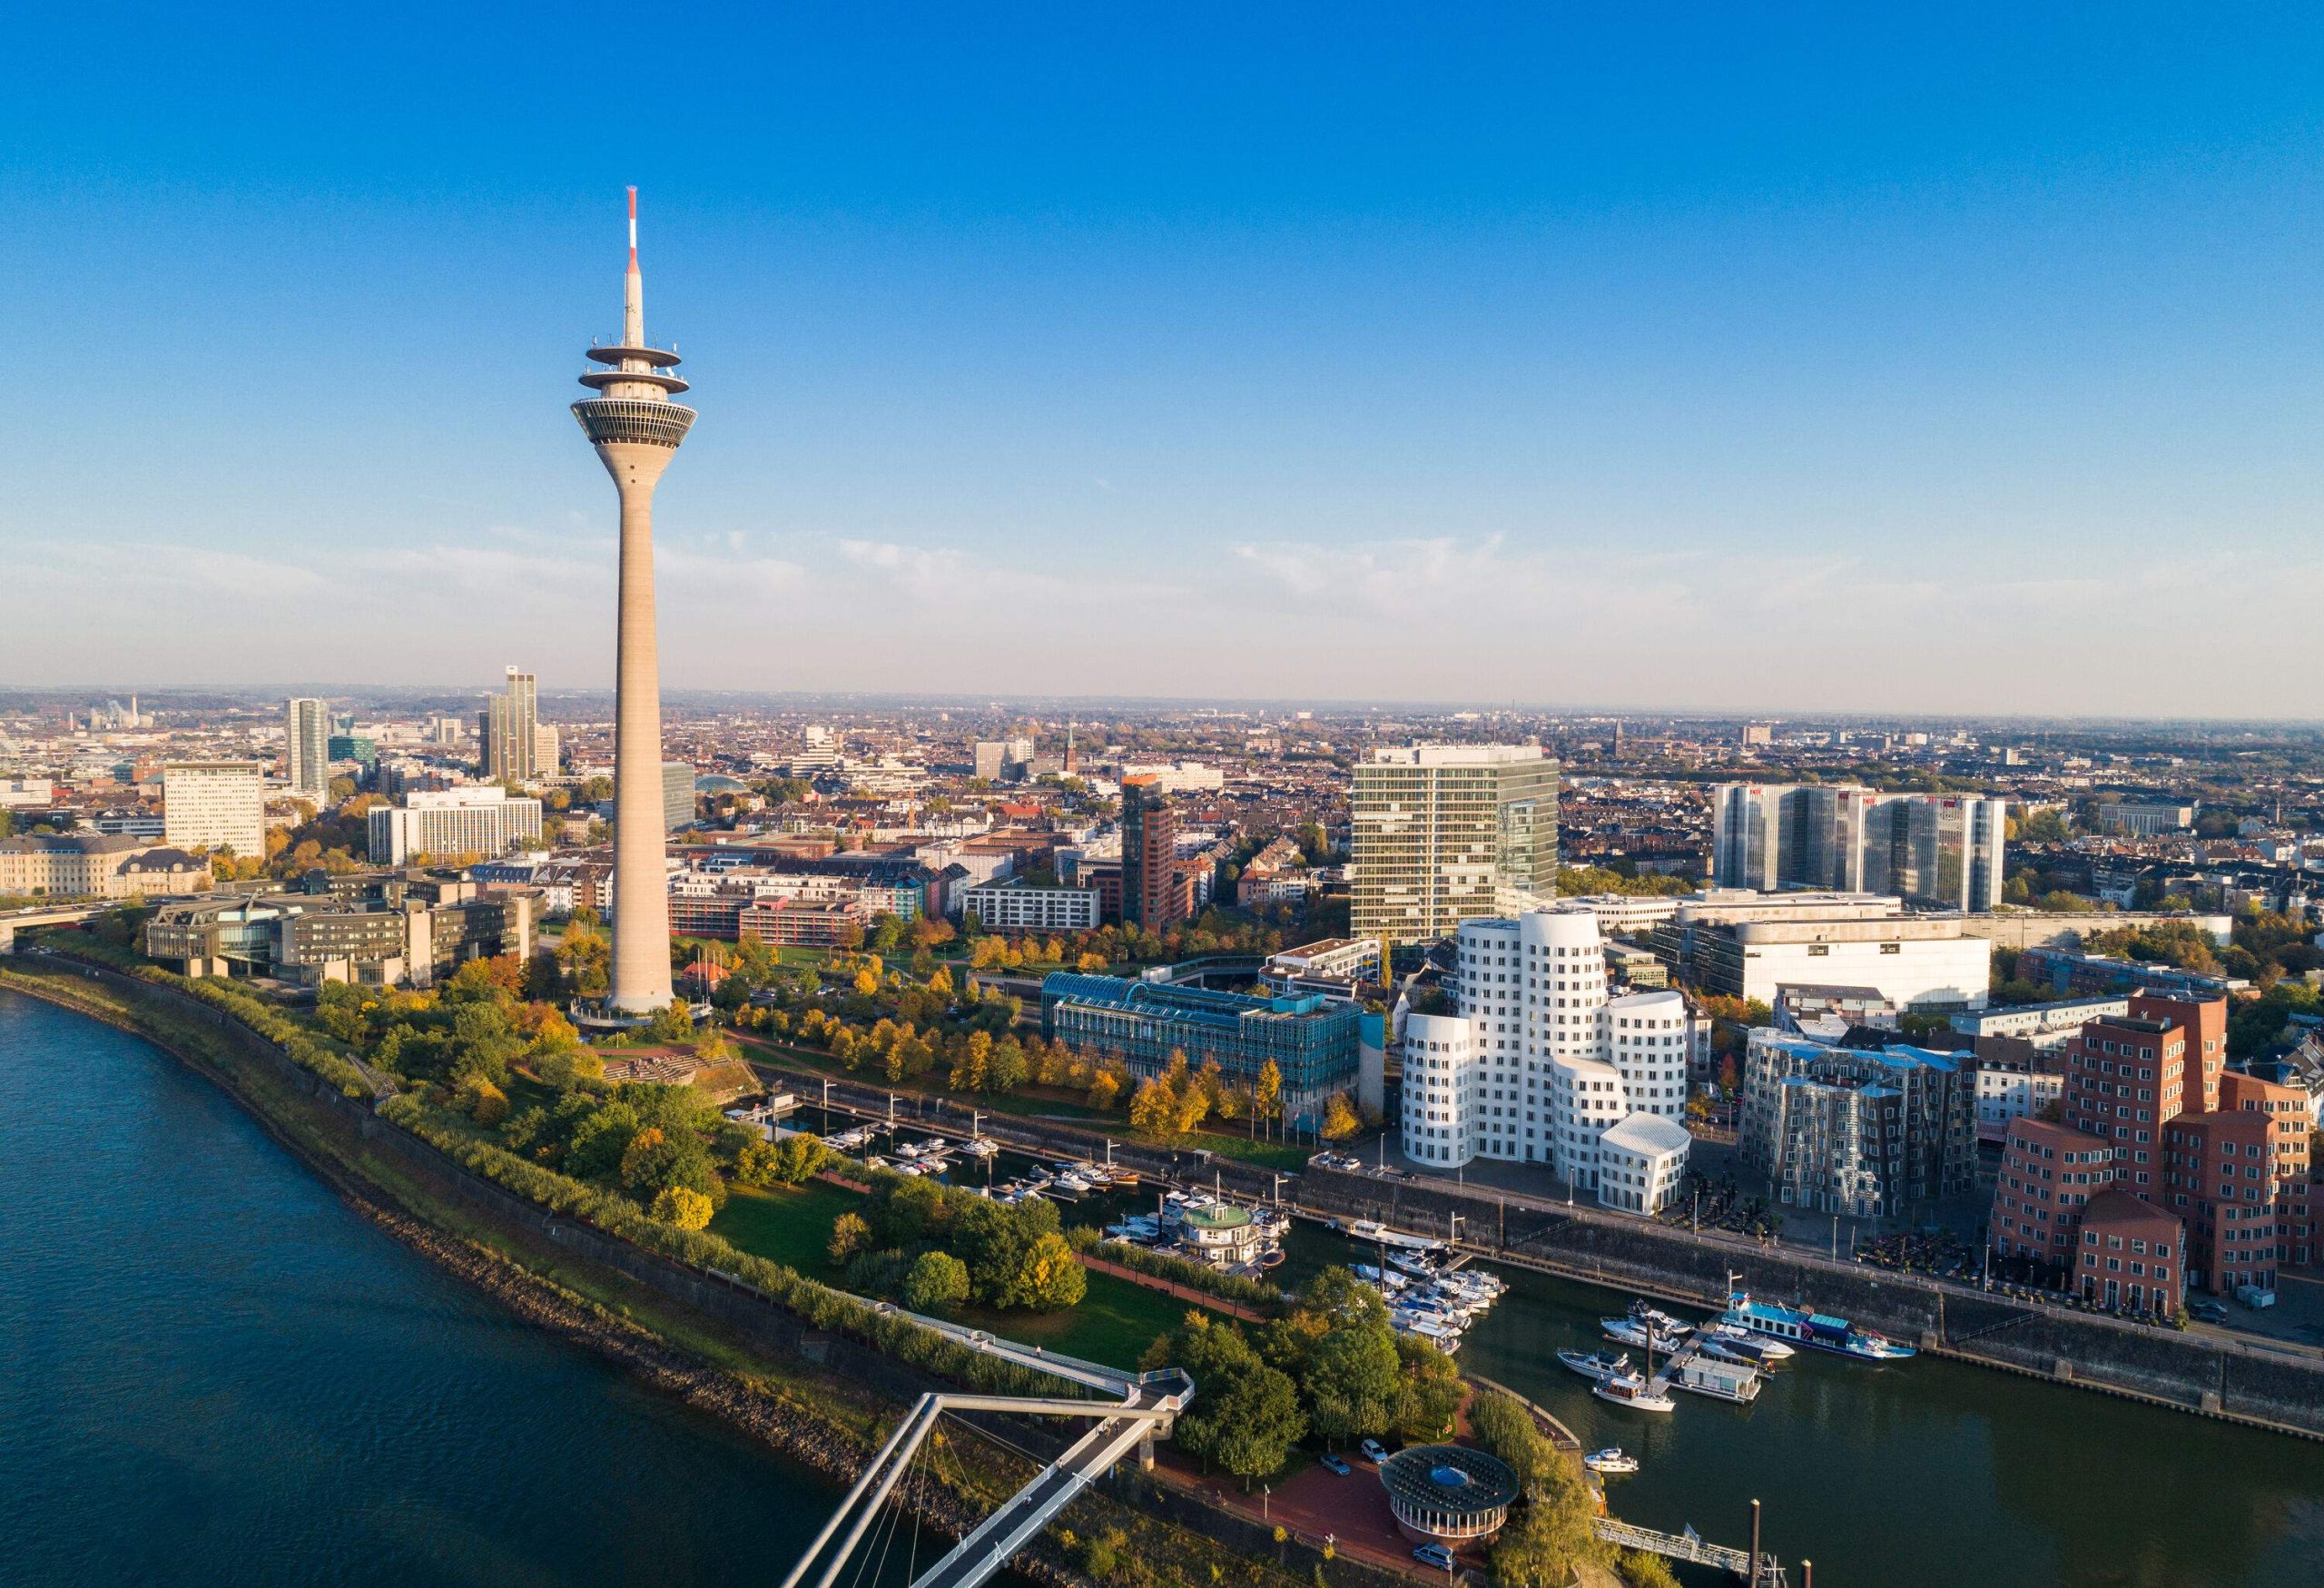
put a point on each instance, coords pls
(1443, 834)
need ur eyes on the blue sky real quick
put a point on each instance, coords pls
(1745, 356)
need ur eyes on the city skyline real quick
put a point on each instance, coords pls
(1435, 369)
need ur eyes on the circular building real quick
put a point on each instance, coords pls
(1448, 1494)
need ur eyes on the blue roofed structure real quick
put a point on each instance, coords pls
(1312, 1040)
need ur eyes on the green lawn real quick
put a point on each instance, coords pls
(786, 1225)
(1115, 1323)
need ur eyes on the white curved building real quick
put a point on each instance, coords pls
(1539, 1064)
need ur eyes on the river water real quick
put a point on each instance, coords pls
(212, 1371)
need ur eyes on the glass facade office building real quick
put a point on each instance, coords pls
(1312, 1040)
(1443, 833)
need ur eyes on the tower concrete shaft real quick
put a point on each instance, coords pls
(636, 428)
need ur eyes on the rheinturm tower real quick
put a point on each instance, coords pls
(636, 428)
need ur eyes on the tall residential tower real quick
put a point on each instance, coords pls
(308, 763)
(636, 429)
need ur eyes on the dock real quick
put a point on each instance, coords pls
(1687, 1547)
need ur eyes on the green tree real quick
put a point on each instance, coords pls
(851, 1238)
(936, 1283)
(1247, 1417)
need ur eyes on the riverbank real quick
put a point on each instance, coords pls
(826, 1401)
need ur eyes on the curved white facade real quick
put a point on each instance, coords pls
(1441, 1083)
(1544, 1063)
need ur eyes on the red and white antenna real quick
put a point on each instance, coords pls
(632, 231)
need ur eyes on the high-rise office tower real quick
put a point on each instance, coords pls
(308, 762)
(1153, 896)
(1444, 834)
(636, 429)
(508, 747)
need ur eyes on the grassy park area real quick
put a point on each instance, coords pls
(1114, 1322)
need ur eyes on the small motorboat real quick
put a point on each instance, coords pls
(1873, 1348)
(1611, 1462)
(1634, 1391)
(1595, 1365)
(1727, 1343)
(983, 1147)
(1631, 1332)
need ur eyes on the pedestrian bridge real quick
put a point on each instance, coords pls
(1135, 1409)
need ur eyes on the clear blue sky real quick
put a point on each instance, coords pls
(1937, 358)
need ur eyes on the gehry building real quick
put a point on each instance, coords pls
(1539, 1066)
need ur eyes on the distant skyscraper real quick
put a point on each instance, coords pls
(677, 795)
(1941, 850)
(636, 428)
(308, 762)
(1444, 834)
(508, 748)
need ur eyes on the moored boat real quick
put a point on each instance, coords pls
(1634, 1391)
(1612, 1461)
(1595, 1365)
(1818, 1331)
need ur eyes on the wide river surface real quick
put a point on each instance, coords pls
(212, 1371)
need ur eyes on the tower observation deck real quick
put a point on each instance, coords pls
(636, 429)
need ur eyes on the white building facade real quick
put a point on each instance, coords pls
(480, 820)
(1543, 1064)
(215, 804)
(1016, 907)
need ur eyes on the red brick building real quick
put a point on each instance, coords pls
(2152, 1116)
(2049, 1174)
(2240, 1177)
(2129, 1255)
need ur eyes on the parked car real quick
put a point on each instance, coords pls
(2208, 1311)
(1333, 1464)
(1375, 1452)
(1434, 1554)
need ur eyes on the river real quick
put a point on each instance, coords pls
(212, 1371)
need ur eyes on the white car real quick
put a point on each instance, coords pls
(1374, 1451)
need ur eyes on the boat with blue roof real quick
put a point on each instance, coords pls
(1816, 1330)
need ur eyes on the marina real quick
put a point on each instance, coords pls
(2014, 1483)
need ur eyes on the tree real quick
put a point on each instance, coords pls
(936, 1283)
(1048, 1278)
(1266, 1093)
(1340, 1118)
(851, 1238)
(687, 1209)
(1247, 1417)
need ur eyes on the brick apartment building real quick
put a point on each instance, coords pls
(2163, 1169)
